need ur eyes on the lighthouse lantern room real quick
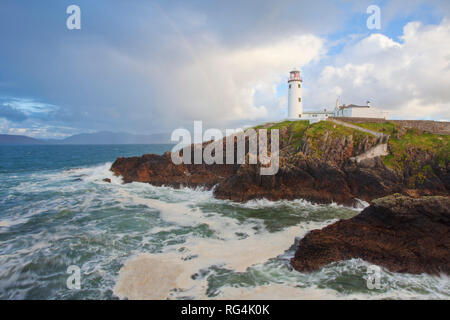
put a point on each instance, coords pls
(295, 103)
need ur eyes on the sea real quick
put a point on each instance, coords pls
(67, 234)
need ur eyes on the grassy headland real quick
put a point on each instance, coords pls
(412, 153)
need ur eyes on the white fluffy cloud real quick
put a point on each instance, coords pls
(224, 85)
(410, 77)
(161, 66)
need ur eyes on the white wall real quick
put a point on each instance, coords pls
(363, 113)
(295, 107)
(367, 113)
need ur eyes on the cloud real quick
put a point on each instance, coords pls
(410, 78)
(200, 78)
(226, 85)
(153, 66)
(148, 67)
(11, 113)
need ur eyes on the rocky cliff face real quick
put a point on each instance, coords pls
(402, 234)
(313, 180)
(160, 170)
(315, 164)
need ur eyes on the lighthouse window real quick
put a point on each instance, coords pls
(299, 99)
(289, 86)
(299, 85)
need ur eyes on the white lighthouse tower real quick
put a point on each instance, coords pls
(295, 103)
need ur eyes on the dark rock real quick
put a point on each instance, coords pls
(400, 233)
(330, 177)
(160, 170)
(107, 180)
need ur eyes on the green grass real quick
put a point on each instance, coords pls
(298, 131)
(425, 142)
(295, 129)
(316, 134)
(385, 127)
(401, 146)
(318, 129)
(416, 144)
(291, 125)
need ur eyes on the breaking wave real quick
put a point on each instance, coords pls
(138, 241)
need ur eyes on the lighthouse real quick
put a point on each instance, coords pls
(295, 103)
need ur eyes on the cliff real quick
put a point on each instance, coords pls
(320, 162)
(402, 234)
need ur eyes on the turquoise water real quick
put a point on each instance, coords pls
(140, 241)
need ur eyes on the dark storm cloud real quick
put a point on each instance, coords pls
(149, 66)
(113, 72)
(11, 113)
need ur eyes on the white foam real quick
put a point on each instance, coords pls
(5, 223)
(265, 203)
(276, 292)
(148, 277)
(226, 250)
(69, 180)
(234, 244)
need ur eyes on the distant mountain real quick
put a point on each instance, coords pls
(102, 137)
(15, 139)
(107, 137)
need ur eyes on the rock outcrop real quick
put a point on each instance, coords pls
(317, 163)
(160, 170)
(400, 233)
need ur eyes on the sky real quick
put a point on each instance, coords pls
(153, 66)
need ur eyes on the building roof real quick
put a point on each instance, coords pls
(353, 106)
(318, 112)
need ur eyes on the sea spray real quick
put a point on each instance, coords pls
(67, 215)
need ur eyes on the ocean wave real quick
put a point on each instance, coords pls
(197, 254)
(141, 241)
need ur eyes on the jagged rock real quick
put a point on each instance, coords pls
(160, 170)
(400, 233)
(317, 168)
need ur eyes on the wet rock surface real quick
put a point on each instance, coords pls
(314, 164)
(400, 233)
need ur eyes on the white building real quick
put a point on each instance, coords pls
(355, 111)
(295, 105)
